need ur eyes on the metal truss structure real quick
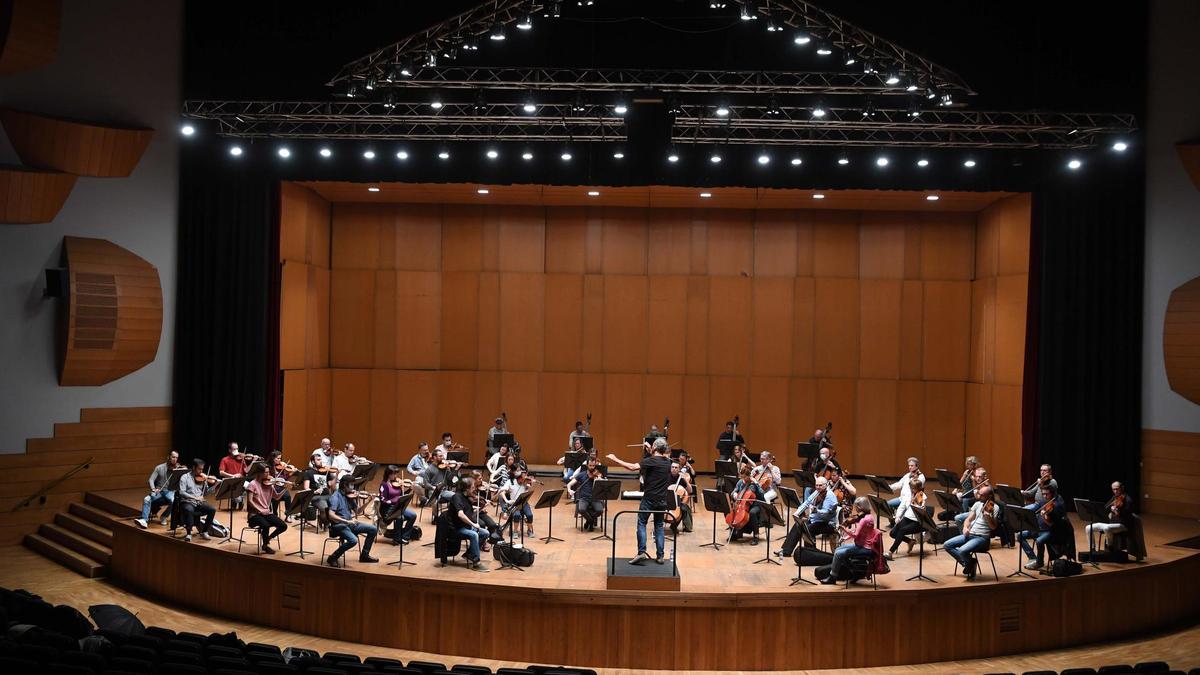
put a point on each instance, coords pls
(886, 127)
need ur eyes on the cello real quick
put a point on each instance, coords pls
(739, 515)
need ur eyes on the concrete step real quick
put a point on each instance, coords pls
(82, 545)
(65, 556)
(85, 528)
(92, 514)
(105, 503)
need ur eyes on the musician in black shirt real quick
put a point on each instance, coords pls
(461, 512)
(656, 480)
(728, 439)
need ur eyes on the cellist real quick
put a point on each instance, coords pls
(747, 497)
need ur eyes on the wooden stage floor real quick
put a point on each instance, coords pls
(578, 562)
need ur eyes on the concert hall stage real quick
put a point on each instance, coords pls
(730, 614)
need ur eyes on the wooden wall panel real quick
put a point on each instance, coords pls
(73, 146)
(805, 243)
(350, 406)
(459, 328)
(946, 332)
(697, 346)
(835, 244)
(624, 323)
(522, 321)
(881, 245)
(662, 396)
(32, 195)
(804, 308)
(623, 420)
(836, 329)
(320, 410)
(416, 402)
(352, 318)
(875, 424)
(979, 423)
(558, 410)
(303, 225)
(769, 414)
(773, 318)
(295, 413)
(522, 239)
(317, 346)
(415, 237)
(775, 243)
(880, 304)
(387, 315)
(730, 243)
(912, 323)
(454, 410)
(837, 402)
(730, 313)
(729, 396)
(489, 321)
(666, 348)
(487, 404)
(1006, 433)
(418, 320)
(1011, 302)
(910, 424)
(947, 246)
(564, 322)
(354, 237)
(521, 398)
(983, 330)
(697, 427)
(670, 242)
(384, 442)
(945, 425)
(1012, 235)
(462, 238)
(802, 418)
(591, 356)
(591, 399)
(625, 237)
(1170, 472)
(293, 315)
(565, 236)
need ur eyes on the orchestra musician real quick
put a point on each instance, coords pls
(767, 474)
(681, 483)
(193, 487)
(234, 465)
(1050, 510)
(447, 444)
(343, 525)
(348, 459)
(316, 478)
(459, 512)
(746, 482)
(441, 474)
(913, 473)
(326, 450)
(825, 462)
(1119, 514)
(859, 538)
(814, 517)
(843, 489)
(261, 508)
(391, 489)
(480, 503)
(656, 479)
(581, 431)
(520, 484)
(728, 439)
(740, 458)
(500, 426)
(416, 468)
(979, 479)
(1045, 478)
(580, 489)
(980, 524)
(912, 497)
(497, 459)
(966, 482)
(577, 446)
(820, 440)
(282, 473)
(159, 494)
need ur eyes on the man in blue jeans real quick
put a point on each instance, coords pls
(1050, 510)
(977, 531)
(461, 510)
(159, 494)
(656, 479)
(344, 526)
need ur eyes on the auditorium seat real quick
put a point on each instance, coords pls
(274, 669)
(66, 669)
(324, 670)
(1079, 671)
(194, 638)
(425, 666)
(1039, 672)
(378, 662)
(1115, 669)
(263, 648)
(514, 671)
(184, 669)
(9, 664)
(474, 670)
(132, 665)
(163, 634)
(340, 657)
(82, 659)
(136, 652)
(1152, 667)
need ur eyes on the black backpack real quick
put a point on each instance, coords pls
(1064, 567)
(509, 554)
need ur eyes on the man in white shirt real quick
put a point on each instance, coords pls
(766, 464)
(914, 471)
(981, 522)
(326, 451)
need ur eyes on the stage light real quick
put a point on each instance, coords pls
(619, 154)
(715, 158)
(530, 105)
(370, 83)
(482, 191)
(922, 162)
(673, 156)
(881, 161)
(552, 10)
(497, 32)
(722, 110)
(578, 105)
(326, 153)
(931, 93)
(527, 155)
(716, 4)
(392, 74)
(566, 155)
(620, 108)
(435, 104)
(1074, 164)
(351, 90)
(369, 154)
(818, 111)
(802, 38)
(773, 25)
(773, 109)
(1120, 146)
(480, 104)
(593, 193)
(526, 21)
(764, 158)
(843, 160)
(431, 59)
(869, 68)
(402, 155)
(585, 3)
(818, 196)
(470, 45)
(674, 107)
(492, 153)
(444, 154)
(236, 151)
(893, 79)
(932, 198)
(407, 69)
(947, 101)
(451, 50)
(746, 14)
(796, 161)
(914, 110)
(284, 152)
(389, 100)
(824, 50)
(851, 58)
(705, 195)
(868, 110)
(372, 189)
(187, 130)
(970, 163)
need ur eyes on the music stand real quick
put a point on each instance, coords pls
(397, 513)
(498, 440)
(587, 442)
(879, 485)
(230, 488)
(1018, 520)
(806, 480)
(1009, 496)
(573, 460)
(929, 526)
(300, 502)
(808, 452)
(725, 469)
(948, 502)
(791, 499)
(715, 501)
(461, 456)
(518, 504)
(771, 514)
(882, 508)
(947, 479)
(548, 500)
(363, 473)
(1091, 512)
(725, 448)
(798, 556)
(605, 489)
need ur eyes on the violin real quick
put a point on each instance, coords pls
(1046, 510)
(205, 478)
(1118, 505)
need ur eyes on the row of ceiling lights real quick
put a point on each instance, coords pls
(703, 195)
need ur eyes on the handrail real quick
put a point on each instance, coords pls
(612, 562)
(41, 494)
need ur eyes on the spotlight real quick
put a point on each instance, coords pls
(497, 32)
(1074, 164)
(746, 13)
(824, 50)
(881, 161)
(392, 74)
(369, 154)
(764, 158)
(970, 163)
(435, 104)
(796, 161)
(552, 10)
(722, 110)
(585, 3)
(673, 156)
(618, 154)
(370, 83)
(851, 58)
(705, 195)
(621, 108)
(802, 38)
(187, 130)
(1120, 146)
(530, 105)
(818, 111)
(868, 110)
(406, 69)
(482, 191)
(578, 105)
(431, 60)
(326, 153)
(373, 189)
(914, 110)
(715, 158)
(566, 155)
(527, 155)
(893, 79)
(674, 107)
(947, 101)
(932, 198)
(402, 155)
(389, 100)
(922, 162)
(444, 154)
(480, 104)
(284, 152)
(593, 193)
(869, 68)
(236, 151)
(773, 109)
(716, 4)
(525, 22)
(773, 25)
(470, 45)
(450, 51)
(843, 160)
(492, 153)
(931, 93)
(818, 196)
(351, 90)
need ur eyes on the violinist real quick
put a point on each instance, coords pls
(193, 487)
(459, 514)
(480, 502)
(234, 465)
(907, 523)
(1045, 478)
(261, 507)
(682, 486)
(447, 445)
(982, 521)
(441, 474)
(520, 484)
(343, 525)
(814, 517)
(729, 439)
(391, 489)
(843, 490)
(746, 483)
(913, 472)
(500, 426)
(349, 459)
(580, 489)
(159, 495)
(316, 478)
(979, 480)
(281, 473)
(496, 460)
(326, 450)
(966, 483)
(1050, 511)
(767, 475)
(859, 537)
(416, 468)
(1119, 513)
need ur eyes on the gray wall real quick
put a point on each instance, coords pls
(120, 61)
(1172, 201)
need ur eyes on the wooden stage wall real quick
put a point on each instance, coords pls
(769, 630)
(1170, 472)
(906, 329)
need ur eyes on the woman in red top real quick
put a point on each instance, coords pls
(860, 538)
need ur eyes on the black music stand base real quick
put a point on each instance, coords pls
(1020, 559)
(921, 562)
(401, 562)
(301, 552)
(799, 578)
(716, 545)
(604, 525)
(768, 558)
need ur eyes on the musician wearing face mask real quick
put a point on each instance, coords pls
(907, 522)
(234, 465)
(345, 527)
(193, 487)
(261, 507)
(159, 494)
(981, 522)
(825, 461)
(859, 537)
(814, 517)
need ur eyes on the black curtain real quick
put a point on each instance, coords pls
(1088, 242)
(224, 339)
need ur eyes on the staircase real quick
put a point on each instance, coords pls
(81, 537)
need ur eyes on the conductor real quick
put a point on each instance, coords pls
(656, 479)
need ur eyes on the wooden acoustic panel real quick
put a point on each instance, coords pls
(113, 313)
(1170, 472)
(31, 195)
(81, 148)
(29, 36)
(1181, 340)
